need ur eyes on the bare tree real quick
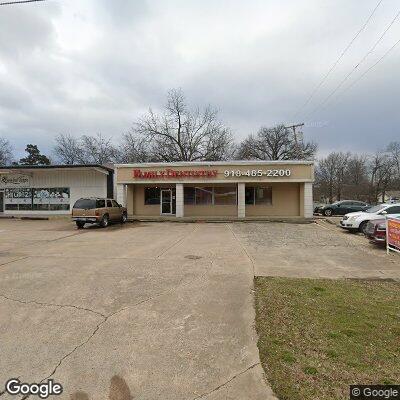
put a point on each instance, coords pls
(357, 177)
(97, 149)
(325, 175)
(181, 134)
(341, 160)
(134, 149)
(382, 172)
(6, 152)
(275, 144)
(68, 149)
(394, 153)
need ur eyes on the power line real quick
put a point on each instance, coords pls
(371, 67)
(370, 51)
(9, 3)
(337, 61)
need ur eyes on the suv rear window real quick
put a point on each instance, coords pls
(87, 204)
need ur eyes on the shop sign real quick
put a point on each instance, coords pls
(270, 173)
(15, 181)
(393, 234)
(170, 174)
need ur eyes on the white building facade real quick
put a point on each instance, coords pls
(51, 190)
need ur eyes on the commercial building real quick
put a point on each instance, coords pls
(234, 189)
(51, 189)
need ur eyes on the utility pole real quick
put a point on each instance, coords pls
(294, 130)
(296, 142)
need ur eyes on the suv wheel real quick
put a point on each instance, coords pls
(80, 224)
(363, 227)
(104, 221)
(328, 212)
(123, 218)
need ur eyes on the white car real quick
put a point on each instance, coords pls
(357, 221)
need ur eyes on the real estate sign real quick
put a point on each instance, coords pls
(393, 234)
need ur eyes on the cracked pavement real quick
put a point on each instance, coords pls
(167, 307)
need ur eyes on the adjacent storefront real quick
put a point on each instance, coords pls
(241, 189)
(51, 189)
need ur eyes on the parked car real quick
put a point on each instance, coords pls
(375, 231)
(341, 207)
(357, 221)
(97, 211)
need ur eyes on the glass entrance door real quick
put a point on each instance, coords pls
(166, 202)
(1, 202)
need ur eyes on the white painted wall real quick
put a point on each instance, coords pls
(120, 194)
(308, 200)
(179, 200)
(241, 200)
(82, 183)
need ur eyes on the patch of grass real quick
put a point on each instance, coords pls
(317, 336)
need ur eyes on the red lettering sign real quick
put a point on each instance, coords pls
(170, 173)
(393, 233)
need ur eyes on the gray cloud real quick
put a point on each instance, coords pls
(95, 66)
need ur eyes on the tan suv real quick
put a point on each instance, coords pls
(96, 210)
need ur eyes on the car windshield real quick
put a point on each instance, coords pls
(375, 209)
(86, 204)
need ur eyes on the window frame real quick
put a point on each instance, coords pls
(254, 196)
(212, 203)
(159, 195)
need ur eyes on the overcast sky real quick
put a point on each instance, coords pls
(88, 66)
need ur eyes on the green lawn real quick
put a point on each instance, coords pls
(318, 336)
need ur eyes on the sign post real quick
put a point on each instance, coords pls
(392, 234)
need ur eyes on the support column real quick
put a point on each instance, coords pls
(179, 200)
(308, 200)
(241, 200)
(121, 194)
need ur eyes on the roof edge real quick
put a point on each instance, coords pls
(57, 166)
(211, 163)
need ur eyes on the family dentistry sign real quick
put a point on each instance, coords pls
(170, 173)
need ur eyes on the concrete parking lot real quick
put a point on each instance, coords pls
(155, 310)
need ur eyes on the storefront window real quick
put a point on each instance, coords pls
(204, 195)
(51, 199)
(225, 195)
(37, 199)
(263, 195)
(258, 195)
(151, 195)
(18, 199)
(189, 195)
(249, 195)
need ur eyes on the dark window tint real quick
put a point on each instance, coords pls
(225, 195)
(263, 195)
(204, 195)
(109, 204)
(152, 195)
(100, 203)
(393, 210)
(189, 195)
(249, 195)
(86, 204)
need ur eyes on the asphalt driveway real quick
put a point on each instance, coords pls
(154, 310)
